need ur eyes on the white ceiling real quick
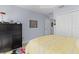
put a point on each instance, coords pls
(43, 9)
(49, 10)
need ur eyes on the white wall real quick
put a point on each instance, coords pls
(22, 15)
(67, 23)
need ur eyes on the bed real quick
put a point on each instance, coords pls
(52, 44)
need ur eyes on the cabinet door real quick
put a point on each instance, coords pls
(5, 42)
(0, 45)
(17, 36)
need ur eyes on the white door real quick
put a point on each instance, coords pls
(68, 24)
(64, 25)
(47, 27)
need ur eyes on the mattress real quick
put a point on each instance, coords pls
(52, 44)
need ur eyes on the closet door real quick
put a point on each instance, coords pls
(76, 24)
(63, 25)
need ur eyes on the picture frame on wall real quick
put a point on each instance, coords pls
(33, 23)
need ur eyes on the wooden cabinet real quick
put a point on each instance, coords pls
(10, 36)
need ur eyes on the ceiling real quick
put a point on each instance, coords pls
(43, 9)
(49, 10)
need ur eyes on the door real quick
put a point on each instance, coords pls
(48, 27)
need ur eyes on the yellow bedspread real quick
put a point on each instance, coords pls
(52, 44)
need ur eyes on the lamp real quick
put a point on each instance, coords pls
(2, 14)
